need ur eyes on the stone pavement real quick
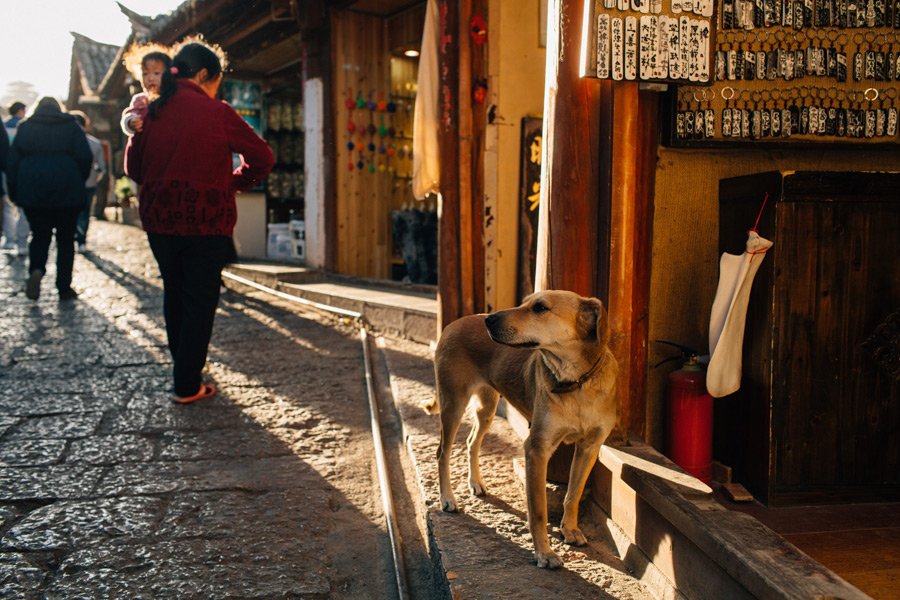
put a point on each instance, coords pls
(108, 490)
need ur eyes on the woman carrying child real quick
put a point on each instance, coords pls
(182, 158)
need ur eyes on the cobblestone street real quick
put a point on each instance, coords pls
(109, 490)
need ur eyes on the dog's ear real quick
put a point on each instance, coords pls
(593, 322)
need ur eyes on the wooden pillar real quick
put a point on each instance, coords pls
(461, 233)
(598, 171)
(317, 64)
(449, 283)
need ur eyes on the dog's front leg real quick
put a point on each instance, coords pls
(582, 462)
(537, 453)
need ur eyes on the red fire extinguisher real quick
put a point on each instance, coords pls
(690, 416)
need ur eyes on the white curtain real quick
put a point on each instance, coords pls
(426, 175)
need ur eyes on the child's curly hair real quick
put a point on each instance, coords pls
(137, 53)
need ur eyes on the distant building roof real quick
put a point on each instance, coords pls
(90, 62)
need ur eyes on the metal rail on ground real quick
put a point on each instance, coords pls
(383, 479)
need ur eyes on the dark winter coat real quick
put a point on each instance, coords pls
(48, 161)
(183, 161)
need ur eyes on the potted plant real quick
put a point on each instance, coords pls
(126, 201)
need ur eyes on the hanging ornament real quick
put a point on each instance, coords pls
(372, 105)
(350, 166)
(351, 146)
(382, 105)
(359, 146)
(392, 106)
(351, 126)
(381, 168)
(478, 29)
(371, 147)
(479, 91)
(371, 168)
(391, 150)
(360, 101)
(349, 103)
(382, 149)
(382, 130)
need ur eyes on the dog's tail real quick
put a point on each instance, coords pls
(431, 406)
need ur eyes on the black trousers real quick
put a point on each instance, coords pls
(43, 221)
(191, 268)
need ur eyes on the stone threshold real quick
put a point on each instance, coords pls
(404, 310)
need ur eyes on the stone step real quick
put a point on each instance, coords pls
(396, 309)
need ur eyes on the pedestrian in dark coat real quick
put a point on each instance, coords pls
(48, 163)
(182, 157)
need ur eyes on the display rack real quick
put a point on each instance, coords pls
(793, 73)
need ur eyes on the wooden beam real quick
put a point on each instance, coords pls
(570, 166)
(449, 289)
(478, 73)
(464, 99)
(622, 214)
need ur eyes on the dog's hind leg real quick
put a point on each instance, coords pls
(453, 404)
(582, 462)
(486, 400)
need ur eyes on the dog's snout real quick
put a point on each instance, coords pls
(491, 320)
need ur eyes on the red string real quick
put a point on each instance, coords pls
(760, 213)
(763, 251)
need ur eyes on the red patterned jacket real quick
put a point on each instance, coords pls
(183, 161)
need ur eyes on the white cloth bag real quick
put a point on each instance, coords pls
(729, 315)
(426, 174)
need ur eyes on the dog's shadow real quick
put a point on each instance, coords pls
(493, 538)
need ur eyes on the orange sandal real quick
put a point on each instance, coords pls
(205, 392)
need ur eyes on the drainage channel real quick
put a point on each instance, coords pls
(380, 460)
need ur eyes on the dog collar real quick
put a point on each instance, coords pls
(564, 387)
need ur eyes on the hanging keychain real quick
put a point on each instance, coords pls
(787, 13)
(881, 117)
(755, 117)
(889, 62)
(775, 111)
(727, 95)
(830, 53)
(782, 100)
(700, 117)
(840, 73)
(689, 121)
(771, 14)
(858, 58)
(831, 120)
(871, 118)
(760, 62)
(799, 56)
(880, 67)
(840, 125)
(821, 111)
(679, 116)
(710, 115)
(821, 54)
(803, 128)
(891, 125)
(807, 13)
(869, 72)
(745, 115)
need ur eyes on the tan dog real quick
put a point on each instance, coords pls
(549, 358)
